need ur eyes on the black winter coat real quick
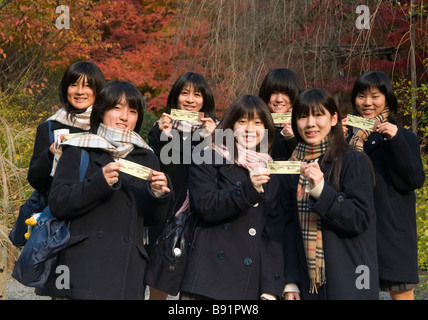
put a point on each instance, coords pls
(106, 257)
(348, 228)
(399, 172)
(236, 252)
(41, 161)
(282, 148)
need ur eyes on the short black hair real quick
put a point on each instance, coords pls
(251, 106)
(380, 81)
(199, 84)
(110, 96)
(280, 80)
(74, 72)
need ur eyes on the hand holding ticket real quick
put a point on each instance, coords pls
(184, 115)
(360, 122)
(284, 167)
(135, 169)
(280, 118)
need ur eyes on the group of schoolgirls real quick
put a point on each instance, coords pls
(343, 228)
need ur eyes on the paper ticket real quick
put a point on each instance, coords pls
(60, 132)
(284, 167)
(185, 115)
(73, 135)
(281, 117)
(135, 169)
(360, 122)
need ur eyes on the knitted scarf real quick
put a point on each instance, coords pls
(78, 120)
(118, 142)
(360, 135)
(310, 222)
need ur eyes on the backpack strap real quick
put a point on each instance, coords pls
(84, 161)
(51, 134)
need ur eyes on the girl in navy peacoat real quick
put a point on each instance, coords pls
(329, 236)
(236, 251)
(396, 157)
(108, 210)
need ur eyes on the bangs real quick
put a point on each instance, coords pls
(310, 108)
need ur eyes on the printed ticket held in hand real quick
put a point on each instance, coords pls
(284, 167)
(73, 135)
(279, 118)
(135, 169)
(185, 115)
(360, 122)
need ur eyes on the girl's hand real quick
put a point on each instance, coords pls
(111, 172)
(291, 296)
(344, 124)
(165, 123)
(259, 176)
(159, 182)
(208, 125)
(313, 173)
(287, 129)
(388, 129)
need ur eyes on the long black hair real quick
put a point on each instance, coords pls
(318, 100)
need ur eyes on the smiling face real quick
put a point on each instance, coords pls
(248, 133)
(314, 127)
(189, 99)
(121, 116)
(371, 103)
(279, 102)
(80, 94)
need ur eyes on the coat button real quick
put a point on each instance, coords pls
(238, 183)
(340, 198)
(277, 276)
(252, 232)
(126, 239)
(248, 261)
(226, 226)
(237, 193)
(221, 255)
(100, 234)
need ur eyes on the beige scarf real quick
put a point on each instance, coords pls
(118, 142)
(78, 120)
(310, 222)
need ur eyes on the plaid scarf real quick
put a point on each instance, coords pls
(118, 142)
(78, 120)
(247, 158)
(360, 135)
(310, 222)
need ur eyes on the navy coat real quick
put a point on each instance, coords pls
(348, 227)
(106, 257)
(39, 172)
(399, 172)
(282, 148)
(236, 252)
